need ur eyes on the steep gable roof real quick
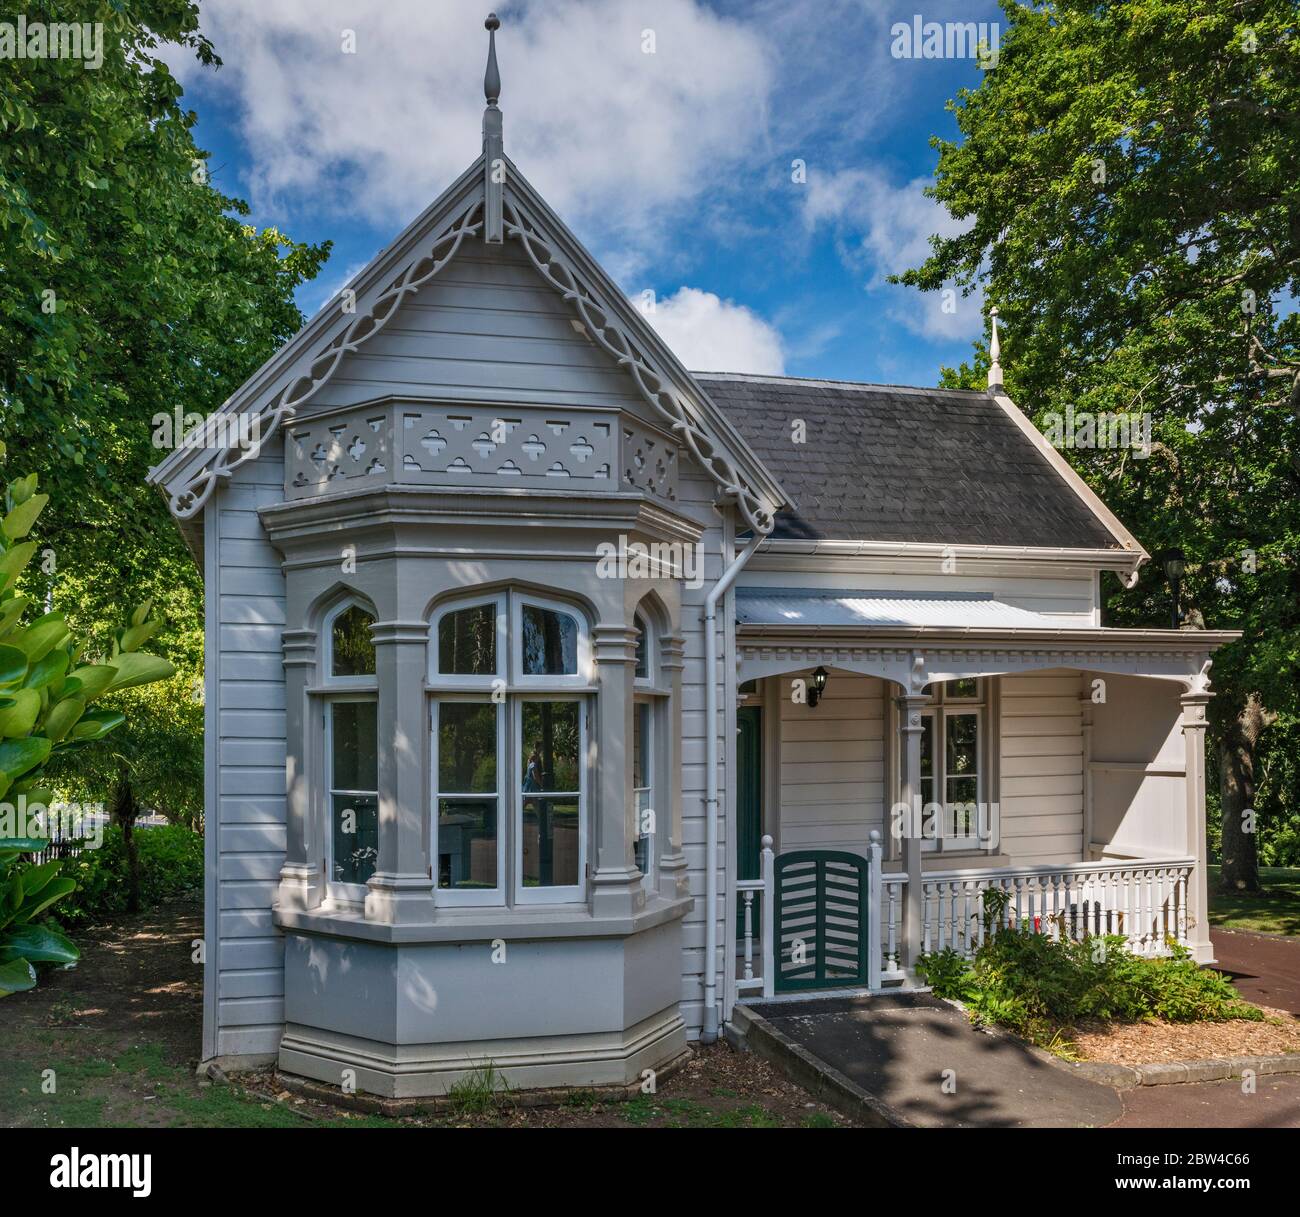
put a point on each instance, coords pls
(309, 360)
(889, 463)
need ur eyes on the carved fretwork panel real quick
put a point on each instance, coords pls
(647, 462)
(537, 447)
(327, 455)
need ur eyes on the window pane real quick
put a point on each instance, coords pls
(467, 642)
(968, 689)
(641, 760)
(467, 844)
(961, 755)
(467, 747)
(356, 755)
(550, 746)
(550, 844)
(353, 648)
(550, 642)
(356, 837)
(928, 827)
(642, 649)
(640, 745)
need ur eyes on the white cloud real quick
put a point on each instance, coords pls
(886, 229)
(709, 334)
(604, 130)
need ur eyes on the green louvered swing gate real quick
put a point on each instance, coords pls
(820, 920)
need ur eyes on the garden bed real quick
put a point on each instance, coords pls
(1159, 1042)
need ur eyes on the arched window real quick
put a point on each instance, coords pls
(351, 750)
(512, 678)
(352, 649)
(649, 715)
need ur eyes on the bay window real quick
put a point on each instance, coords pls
(511, 676)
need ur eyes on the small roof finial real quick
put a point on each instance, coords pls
(995, 351)
(492, 77)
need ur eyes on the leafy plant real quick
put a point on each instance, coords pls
(25, 893)
(47, 692)
(1037, 985)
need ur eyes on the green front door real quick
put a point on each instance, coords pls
(749, 808)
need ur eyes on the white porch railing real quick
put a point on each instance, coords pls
(1146, 902)
(748, 889)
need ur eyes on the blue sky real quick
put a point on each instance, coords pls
(664, 132)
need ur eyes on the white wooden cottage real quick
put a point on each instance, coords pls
(558, 700)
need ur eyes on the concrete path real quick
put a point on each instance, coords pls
(1264, 967)
(924, 1059)
(1275, 1103)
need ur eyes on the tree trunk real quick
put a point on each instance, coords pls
(123, 813)
(1237, 749)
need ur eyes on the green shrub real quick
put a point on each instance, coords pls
(26, 891)
(171, 862)
(1035, 984)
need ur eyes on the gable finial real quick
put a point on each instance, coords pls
(494, 157)
(492, 77)
(995, 351)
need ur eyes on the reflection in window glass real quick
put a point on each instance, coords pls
(468, 799)
(642, 650)
(927, 775)
(354, 801)
(967, 688)
(961, 764)
(644, 848)
(467, 642)
(352, 646)
(550, 642)
(551, 767)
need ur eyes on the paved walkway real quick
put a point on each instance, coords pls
(923, 1058)
(1275, 1103)
(1264, 967)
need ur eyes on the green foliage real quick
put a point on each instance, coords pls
(1130, 179)
(171, 862)
(26, 892)
(131, 286)
(47, 688)
(1036, 985)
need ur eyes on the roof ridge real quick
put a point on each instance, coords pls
(765, 378)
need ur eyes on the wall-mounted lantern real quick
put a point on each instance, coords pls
(1175, 563)
(817, 686)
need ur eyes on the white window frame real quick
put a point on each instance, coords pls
(650, 875)
(473, 896)
(509, 688)
(332, 690)
(449, 680)
(943, 706)
(583, 678)
(351, 893)
(569, 893)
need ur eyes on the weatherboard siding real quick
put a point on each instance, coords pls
(832, 778)
(1041, 767)
(246, 611)
(696, 500)
(487, 329)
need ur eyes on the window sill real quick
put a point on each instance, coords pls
(481, 924)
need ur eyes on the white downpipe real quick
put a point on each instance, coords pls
(720, 589)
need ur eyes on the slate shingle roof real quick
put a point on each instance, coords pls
(887, 463)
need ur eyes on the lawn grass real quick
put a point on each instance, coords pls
(1276, 910)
